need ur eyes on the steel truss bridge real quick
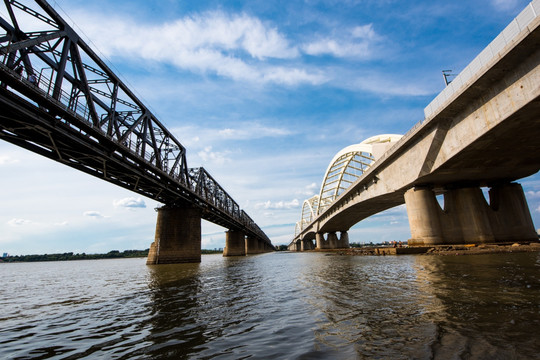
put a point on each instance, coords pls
(60, 100)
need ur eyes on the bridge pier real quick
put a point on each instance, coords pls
(332, 240)
(467, 218)
(320, 241)
(252, 245)
(343, 242)
(255, 246)
(306, 245)
(265, 247)
(235, 243)
(178, 236)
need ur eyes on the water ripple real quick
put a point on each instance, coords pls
(282, 306)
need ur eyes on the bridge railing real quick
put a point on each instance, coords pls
(80, 109)
(203, 184)
(55, 66)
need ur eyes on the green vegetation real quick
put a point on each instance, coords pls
(215, 251)
(114, 254)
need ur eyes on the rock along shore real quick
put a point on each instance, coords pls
(470, 249)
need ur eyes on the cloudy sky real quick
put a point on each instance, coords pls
(263, 94)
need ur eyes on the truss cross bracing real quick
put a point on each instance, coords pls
(60, 100)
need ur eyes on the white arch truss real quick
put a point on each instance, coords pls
(309, 209)
(344, 169)
(349, 164)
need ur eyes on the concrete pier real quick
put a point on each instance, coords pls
(467, 217)
(177, 238)
(235, 243)
(332, 240)
(253, 246)
(306, 245)
(320, 241)
(343, 242)
(512, 219)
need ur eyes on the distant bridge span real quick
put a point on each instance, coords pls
(482, 130)
(60, 100)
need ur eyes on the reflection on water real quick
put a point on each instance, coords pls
(491, 304)
(282, 306)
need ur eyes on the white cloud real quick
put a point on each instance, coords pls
(278, 205)
(538, 209)
(6, 160)
(130, 202)
(18, 222)
(235, 46)
(390, 86)
(533, 194)
(293, 76)
(356, 43)
(251, 131)
(93, 214)
(216, 157)
(308, 190)
(504, 5)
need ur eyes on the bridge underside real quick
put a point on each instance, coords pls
(505, 153)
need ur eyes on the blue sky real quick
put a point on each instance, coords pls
(263, 94)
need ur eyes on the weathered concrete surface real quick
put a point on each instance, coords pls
(252, 246)
(487, 133)
(177, 238)
(306, 245)
(467, 218)
(235, 243)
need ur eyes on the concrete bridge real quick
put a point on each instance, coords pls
(483, 130)
(60, 100)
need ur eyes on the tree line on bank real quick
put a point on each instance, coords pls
(114, 254)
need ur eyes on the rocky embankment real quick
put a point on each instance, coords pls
(471, 249)
(483, 249)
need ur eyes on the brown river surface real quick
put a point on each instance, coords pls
(274, 306)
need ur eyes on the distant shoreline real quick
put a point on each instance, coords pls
(69, 256)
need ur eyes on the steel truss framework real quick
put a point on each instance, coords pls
(60, 100)
(344, 169)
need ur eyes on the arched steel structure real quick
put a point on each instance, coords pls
(310, 208)
(344, 169)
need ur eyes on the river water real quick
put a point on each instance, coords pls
(274, 306)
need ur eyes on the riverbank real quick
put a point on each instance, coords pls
(469, 249)
(114, 254)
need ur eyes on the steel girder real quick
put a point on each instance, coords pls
(59, 99)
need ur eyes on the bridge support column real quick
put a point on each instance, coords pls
(467, 217)
(320, 242)
(423, 212)
(512, 221)
(332, 240)
(252, 245)
(235, 243)
(306, 245)
(343, 240)
(178, 236)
